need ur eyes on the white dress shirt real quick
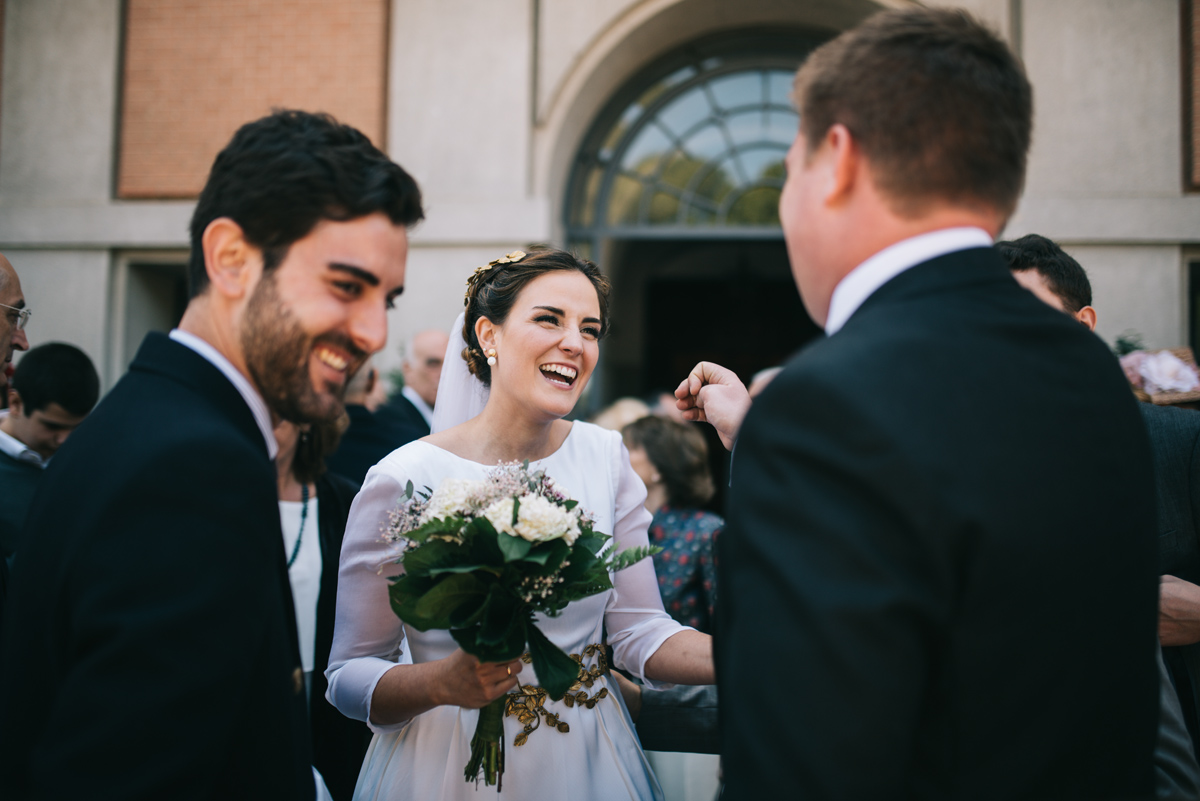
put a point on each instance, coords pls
(424, 408)
(861, 282)
(258, 407)
(17, 449)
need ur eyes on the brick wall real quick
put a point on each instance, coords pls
(195, 70)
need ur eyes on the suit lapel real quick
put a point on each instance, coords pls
(162, 355)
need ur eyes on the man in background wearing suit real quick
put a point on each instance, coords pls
(422, 369)
(150, 647)
(1049, 272)
(938, 575)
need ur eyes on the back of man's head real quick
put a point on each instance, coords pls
(56, 373)
(281, 175)
(937, 103)
(1064, 276)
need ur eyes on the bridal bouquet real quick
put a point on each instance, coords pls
(480, 558)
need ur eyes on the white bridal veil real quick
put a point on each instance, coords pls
(460, 395)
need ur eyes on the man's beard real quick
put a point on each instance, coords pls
(278, 353)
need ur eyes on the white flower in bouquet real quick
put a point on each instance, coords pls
(1166, 372)
(452, 497)
(538, 520)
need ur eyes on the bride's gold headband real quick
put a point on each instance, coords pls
(481, 273)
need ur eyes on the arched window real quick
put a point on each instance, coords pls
(694, 146)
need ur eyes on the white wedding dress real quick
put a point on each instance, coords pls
(423, 758)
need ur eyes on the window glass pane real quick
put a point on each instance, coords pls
(758, 206)
(684, 113)
(758, 161)
(680, 171)
(624, 198)
(618, 131)
(779, 87)
(738, 89)
(591, 188)
(708, 143)
(664, 209)
(715, 186)
(781, 126)
(646, 150)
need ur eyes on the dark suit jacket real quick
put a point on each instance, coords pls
(338, 742)
(1175, 442)
(401, 411)
(149, 641)
(370, 437)
(683, 718)
(938, 573)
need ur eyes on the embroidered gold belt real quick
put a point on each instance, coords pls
(528, 701)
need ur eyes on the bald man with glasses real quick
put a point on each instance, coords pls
(13, 317)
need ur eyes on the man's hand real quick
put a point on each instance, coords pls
(713, 394)
(1178, 612)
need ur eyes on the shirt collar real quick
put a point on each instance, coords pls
(416, 400)
(17, 449)
(258, 407)
(861, 282)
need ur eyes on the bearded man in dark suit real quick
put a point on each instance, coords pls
(938, 573)
(150, 646)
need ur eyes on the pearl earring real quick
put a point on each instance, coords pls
(491, 357)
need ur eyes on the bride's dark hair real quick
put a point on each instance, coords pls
(492, 292)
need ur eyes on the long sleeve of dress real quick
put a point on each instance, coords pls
(635, 620)
(368, 638)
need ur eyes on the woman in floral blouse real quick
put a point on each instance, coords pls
(672, 460)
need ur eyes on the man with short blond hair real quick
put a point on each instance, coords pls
(938, 573)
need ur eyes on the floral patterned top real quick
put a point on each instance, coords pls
(687, 573)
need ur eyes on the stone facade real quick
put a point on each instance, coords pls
(110, 109)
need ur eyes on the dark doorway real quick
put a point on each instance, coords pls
(676, 303)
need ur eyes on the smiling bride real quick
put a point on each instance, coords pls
(529, 343)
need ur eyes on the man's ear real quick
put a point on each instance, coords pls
(1087, 316)
(16, 407)
(486, 332)
(232, 263)
(844, 165)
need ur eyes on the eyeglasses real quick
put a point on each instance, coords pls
(23, 315)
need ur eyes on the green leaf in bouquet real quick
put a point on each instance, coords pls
(501, 614)
(549, 554)
(448, 595)
(431, 555)
(593, 541)
(437, 571)
(404, 594)
(569, 505)
(629, 557)
(481, 537)
(555, 670)
(448, 527)
(581, 559)
(507, 650)
(513, 548)
(408, 491)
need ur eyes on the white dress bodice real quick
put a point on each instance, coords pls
(599, 757)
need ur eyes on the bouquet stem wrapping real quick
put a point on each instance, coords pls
(487, 746)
